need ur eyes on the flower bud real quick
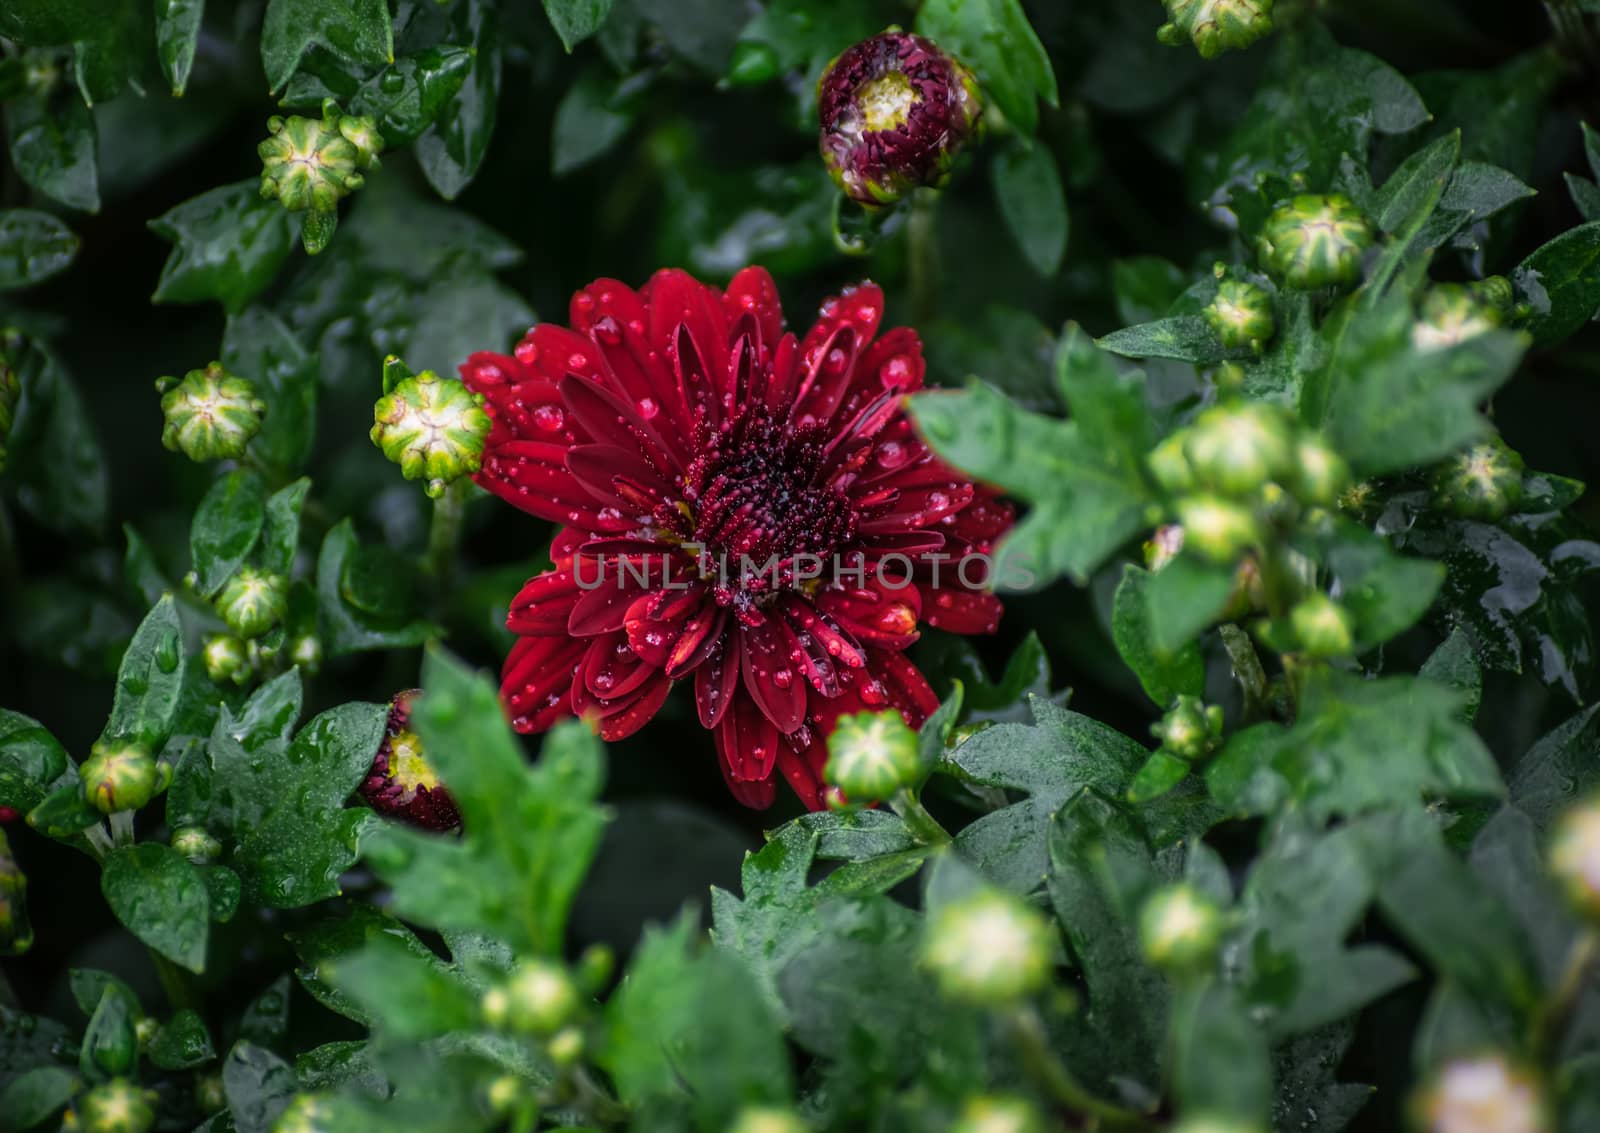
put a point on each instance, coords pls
(117, 1106)
(1218, 529)
(1179, 929)
(1481, 482)
(565, 1047)
(538, 999)
(1575, 857)
(306, 652)
(253, 601)
(145, 1031)
(209, 1096)
(752, 64)
(871, 756)
(1241, 314)
(1322, 627)
(1189, 730)
(432, 428)
(1237, 448)
(1209, 1123)
(1454, 313)
(194, 843)
(1169, 464)
(767, 1119)
(16, 932)
(1214, 26)
(1316, 241)
(210, 414)
(1482, 1094)
(1163, 546)
(402, 783)
(309, 163)
(227, 659)
(988, 948)
(10, 389)
(306, 1113)
(119, 776)
(1320, 474)
(998, 1113)
(504, 1094)
(895, 111)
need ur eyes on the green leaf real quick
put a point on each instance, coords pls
(36, 1095)
(150, 679)
(1221, 1061)
(1183, 598)
(994, 38)
(1559, 768)
(64, 812)
(161, 899)
(457, 315)
(55, 462)
(1164, 673)
(1585, 195)
(1357, 746)
(452, 149)
(1159, 774)
(576, 20)
(258, 345)
(228, 244)
(1413, 190)
(590, 120)
(177, 30)
(663, 1048)
(530, 831)
(1033, 204)
(348, 935)
(856, 835)
(1186, 338)
(427, 83)
(1385, 593)
(1561, 282)
(182, 1043)
(280, 533)
(357, 30)
(33, 247)
(110, 1045)
(32, 761)
(405, 993)
(346, 617)
(1455, 663)
(227, 526)
(53, 149)
(1146, 287)
(258, 1085)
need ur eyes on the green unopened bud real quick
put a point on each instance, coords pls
(1481, 482)
(1575, 857)
(871, 756)
(362, 133)
(210, 414)
(209, 1096)
(1322, 627)
(253, 601)
(594, 968)
(1179, 929)
(1316, 242)
(988, 948)
(1190, 729)
(16, 931)
(1486, 1093)
(432, 428)
(504, 1094)
(752, 64)
(145, 1031)
(538, 999)
(119, 776)
(566, 1046)
(308, 163)
(194, 843)
(1214, 26)
(1320, 474)
(306, 652)
(227, 659)
(1169, 464)
(1453, 313)
(117, 1106)
(767, 1119)
(1210, 1123)
(1241, 314)
(1237, 448)
(1217, 529)
(10, 388)
(306, 1113)
(998, 1113)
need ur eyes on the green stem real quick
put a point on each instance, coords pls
(449, 508)
(923, 256)
(1552, 1019)
(1247, 669)
(923, 826)
(98, 842)
(122, 828)
(173, 981)
(1051, 1075)
(595, 1101)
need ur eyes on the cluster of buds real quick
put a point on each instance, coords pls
(1241, 314)
(434, 428)
(1485, 1093)
(115, 1106)
(122, 775)
(1179, 929)
(1190, 729)
(402, 783)
(210, 414)
(539, 999)
(309, 164)
(1215, 26)
(1314, 242)
(895, 111)
(10, 388)
(16, 933)
(988, 948)
(872, 756)
(231, 659)
(1453, 313)
(1482, 481)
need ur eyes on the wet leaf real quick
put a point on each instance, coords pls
(33, 247)
(227, 245)
(161, 899)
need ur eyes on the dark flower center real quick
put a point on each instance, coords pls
(759, 495)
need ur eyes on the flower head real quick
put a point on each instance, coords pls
(1482, 481)
(895, 111)
(1482, 1094)
(253, 601)
(988, 948)
(1213, 26)
(1241, 314)
(1179, 928)
(210, 414)
(1314, 242)
(117, 1106)
(872, 755)
(741, 510)
(1218, 529)
(432, 428)
(309, 163)
(1453, 313)
(402, 783)
(119, 776)
(1236, 448)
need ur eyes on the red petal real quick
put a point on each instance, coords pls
(835, 640)
(533, 476)
(959, 610)
(753, 293)
(618, 476)
(698, 640)
(876, 613)
(553, 352)
(768, 665)
(610, 670)
(623, 718)
(716, 680)
(536, 683)
(907, 689)
(803, 770)
(543, 605)
(747, 741)
(919, 507)
(602, 607)
(679, 301)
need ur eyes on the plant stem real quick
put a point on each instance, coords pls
(923, 256)
(122, 828)
(595, 1101)
(1052, 1076)
(173, 981)
(98, 841)
(1247, 669)
(1552, 1019)
(444, 534)
(923, 826)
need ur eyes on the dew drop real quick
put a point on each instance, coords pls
(648, 408)
(550, 418)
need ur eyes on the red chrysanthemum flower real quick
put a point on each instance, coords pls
(402, 783)
(704, 466)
